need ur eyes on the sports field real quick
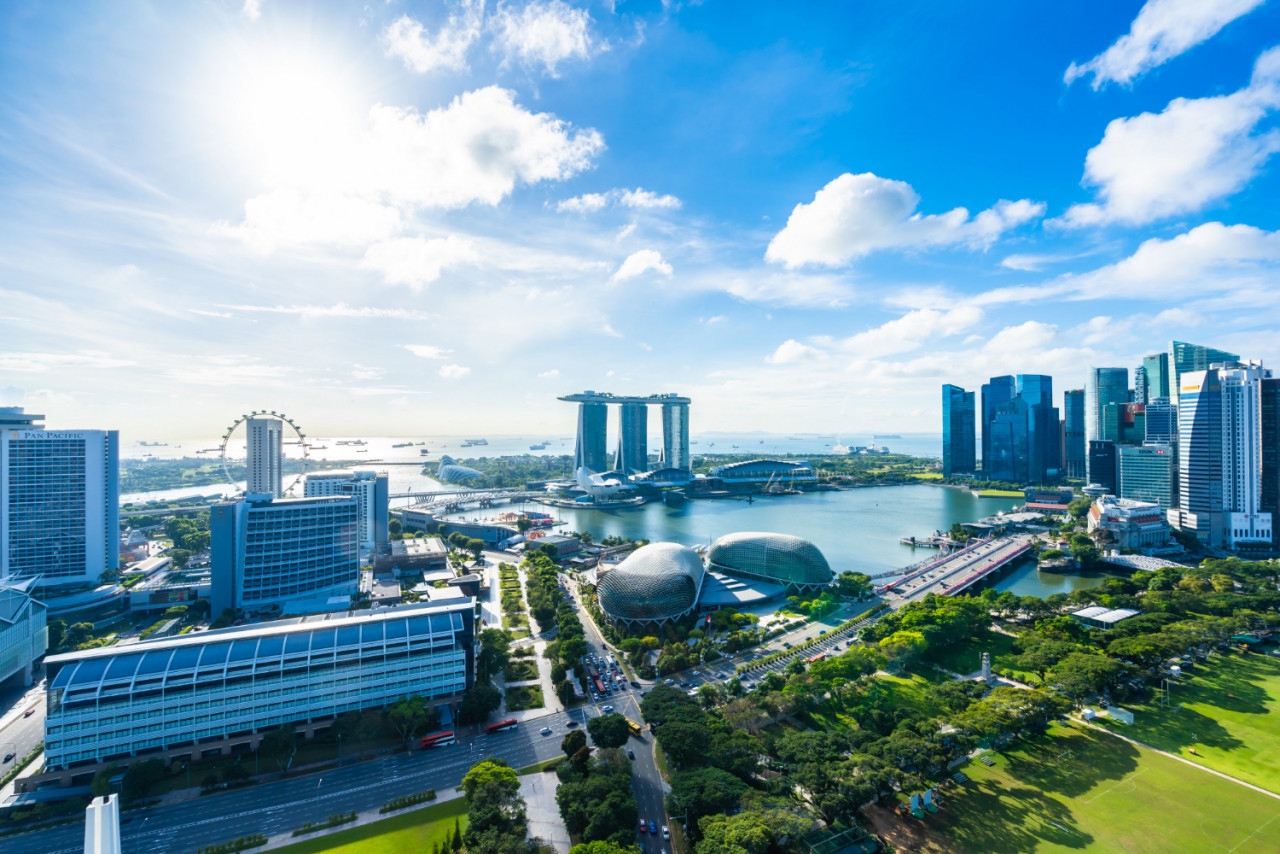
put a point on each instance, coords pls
(1106, 796)
(1227, 710)
(412, 832)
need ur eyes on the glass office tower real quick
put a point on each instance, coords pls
(996, 393)
(959, 444)
(1104, 386)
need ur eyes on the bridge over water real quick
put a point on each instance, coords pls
(958, 571)
(439, 500)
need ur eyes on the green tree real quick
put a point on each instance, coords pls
(280, 745)
(603, 846)
(140, 777)
(573, 742)
(1081, 674)
(854, 585)
(57, 631)
(495, 652)
(684, 743)
(100, 785)
(699, 792)
(523, 524)
(410, 716)
(608, 730)
(456, 843)
(77, 634)
(477, 703)
(395, 527)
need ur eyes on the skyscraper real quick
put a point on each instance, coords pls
(1147, 474)
(1140, 383)
(675, 436)
(1010, 455)
(959, 442)
(1103, 468)
(369, 489)
(633, 439)
(1044, 436)
(1162, 422)
(266, 455)
(59, 501)
(1243, 515)
(1183, 357)
(1073, 425)
(1200, 456)
(1156, 368)
(283, 554)
(593, 425)
(1270, 409)
(996, 393)
(1105, 385)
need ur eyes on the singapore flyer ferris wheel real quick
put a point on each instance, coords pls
(291, 437)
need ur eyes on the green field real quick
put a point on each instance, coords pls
(1227, 710)
(409, 833)
(1108, 796)
(965, 658)
(999, 493)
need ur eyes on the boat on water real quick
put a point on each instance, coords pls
(403, 445)
(352, 442)
(317, 447)
(540, 446)
(424, 451)
(467, 443)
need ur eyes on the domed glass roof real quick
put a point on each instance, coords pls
(656, 582)
(780, 558)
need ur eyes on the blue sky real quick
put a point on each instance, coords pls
(424, 218)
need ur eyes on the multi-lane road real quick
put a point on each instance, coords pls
(956, 570)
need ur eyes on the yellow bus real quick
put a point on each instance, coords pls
(635, 728)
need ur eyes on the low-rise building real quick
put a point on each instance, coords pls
(424, 554)
(204, 694)
(1100, 617)
(783, 472)
(1132, 524)
(24, 633)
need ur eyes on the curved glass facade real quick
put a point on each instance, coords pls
(779, 558)
(451, 471)
(658, 582)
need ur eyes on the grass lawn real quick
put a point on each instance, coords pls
(521, 671)
(999, 493)
(408, 833)
(925, 475)
(906, 692)
(1108, 797)
(1237, 735)
(511, 621)
(965, 658)
(519, 699)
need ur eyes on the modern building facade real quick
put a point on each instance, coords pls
(959, 439)
(59, 501)
(593, 426)
(1104, 386)
(1073, 432)
(24, 633)
(1009, 453)
(1270, 407)
(632, 455)
(1156, 370)
(1183, 357)
(1245, 520)
(675, 437)
(1044, 435)
(370, 491)
(782, 559)
(1161, 418)
(1200, 456)
(1103, 466)
(265, 437)
(1140, 384)
(277, 555)
(783, 472)
(996, 393)
(452, 471)
(1148, 473)
(657, 583)
(1124, 423)
(195, 694)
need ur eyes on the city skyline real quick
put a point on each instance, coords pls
(734, 205)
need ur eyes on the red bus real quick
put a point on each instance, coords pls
(439, 739)
(501, 726)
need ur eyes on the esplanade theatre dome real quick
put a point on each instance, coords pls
(657, 582)
(779, 558)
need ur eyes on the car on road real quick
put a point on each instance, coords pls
(606, 709)
(571, 724)
(631, 754)
(546, 730)
(29, 712)
(669, 682)
(666, 834)
(653, 827)
(786, 646)
(635, 684)
(8, 756)
(643, 828)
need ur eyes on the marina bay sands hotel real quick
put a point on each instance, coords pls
(632, 456)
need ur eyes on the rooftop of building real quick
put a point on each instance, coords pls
(1102, 614)
(719, 590)
(607, 397)
(265, 499)
(419, 547)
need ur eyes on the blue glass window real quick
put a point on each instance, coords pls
(243, 650)
(297, 642)
(124, 666)
(185, 658)
(322, 639)
(90, 670)
(215, 654)
(155, 662)
(348, 636)
(395, 629)
(419, 626)
(440, 624)
(64, 675)
(270, 646)
(457, 621)
(371, 633)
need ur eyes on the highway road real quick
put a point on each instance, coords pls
(20, 735)
(942, 578)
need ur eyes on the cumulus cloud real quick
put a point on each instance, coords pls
(638, 198)
(40, 362)
(641, 262)
(453, 372)
(913, 329)
(544, 34)
(416, 261)
(1163, 29)
(1194, 152)
(408, 40)
(252, 9)
(798, 290)
(791, 351)
(297, 218)
(339, 310)
(549, 375)
(427, 351)
(856, 215)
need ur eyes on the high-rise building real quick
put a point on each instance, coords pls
(1183, 357)
(996, 393)
(633, 439)
(1140, 384)
(1105, 385)
(292, 554)
(1161, 422)
(1010, 454)
(1044, 436)
(266, 455)
(1270, 407)
(1243, 515)
(675, 436)
(1156, 368)
(1147, 474)
(1073, 427)
(370, 491)
(593, 426)
(59, 501)
(959, 442)
(1200, 456)
(1103, 469)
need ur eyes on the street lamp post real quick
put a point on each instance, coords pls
(318, 782)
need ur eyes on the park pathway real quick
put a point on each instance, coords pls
(1175, 756)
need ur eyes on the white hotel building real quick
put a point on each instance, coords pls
(205, 694)
(369, 489)
(59, 501)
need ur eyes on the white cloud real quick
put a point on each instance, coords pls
(296, 218)
(549, 375)
(252, 9)
(791, 351)
(785, 289)
(856, 215)
(544, 34)
(913, 329)
(1177, 317)
(408, 40)
(40, 362)
(206, 313)
(608, 329)
(641, 262)
(1163, 29)
(416, 261)
(453, 372)
(231, 370)
(338, 310)
(1195, 152)
(713, 320)
(1033, 263)
(427, 351)
(639, 198)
